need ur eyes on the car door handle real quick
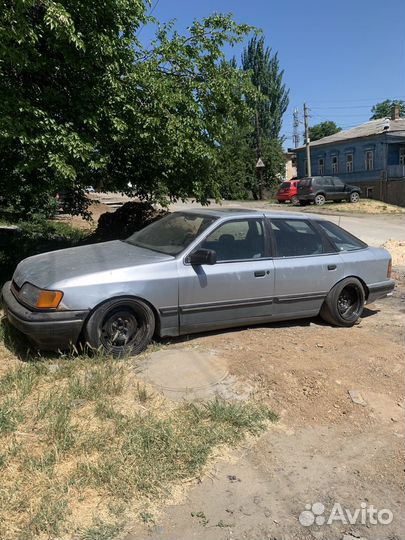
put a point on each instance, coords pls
(331, 266)
(260, 273)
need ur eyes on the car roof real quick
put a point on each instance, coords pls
(243, 212)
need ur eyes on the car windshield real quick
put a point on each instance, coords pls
(171, 234)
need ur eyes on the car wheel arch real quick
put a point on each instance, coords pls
(363, 283)
(123, 296)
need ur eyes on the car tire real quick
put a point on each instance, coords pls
(354, 197)
(304, 203)
(281, 202)
(294, 200)
(121, 327)
(320, 199)
(344, 304)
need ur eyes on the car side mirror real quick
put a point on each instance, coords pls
(203, 256)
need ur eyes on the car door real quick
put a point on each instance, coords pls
(339, 189)
(306, 267)
(326, 185)
(238, 288)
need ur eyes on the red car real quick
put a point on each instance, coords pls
(288, 191)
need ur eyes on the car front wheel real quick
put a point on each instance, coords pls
(354, 197)
(320, 199)
(344, 303)
(122, 326)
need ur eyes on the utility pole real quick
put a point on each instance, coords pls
(259, 164)
(307, 140)
(296, 123)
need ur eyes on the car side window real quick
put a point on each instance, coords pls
(237, 240)
(338, 183)
(327, 182)
(296, 238)
(343, 240)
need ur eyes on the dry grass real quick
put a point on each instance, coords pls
(84, 447)
(364, 206)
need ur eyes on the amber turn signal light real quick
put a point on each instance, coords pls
(49, 299)
(389, 269)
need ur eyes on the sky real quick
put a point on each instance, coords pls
(339, 56)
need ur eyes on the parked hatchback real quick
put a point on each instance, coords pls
(319, 189)
(195, 271)
(288, 191)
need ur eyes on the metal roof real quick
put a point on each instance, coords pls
(374, 127)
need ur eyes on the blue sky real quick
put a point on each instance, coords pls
(340, 56)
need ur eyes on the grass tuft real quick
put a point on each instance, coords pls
(86, 433)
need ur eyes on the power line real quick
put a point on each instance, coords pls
(359, 100)
(149, 14)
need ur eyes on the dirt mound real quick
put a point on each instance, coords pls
(129, 218)
(397, 250)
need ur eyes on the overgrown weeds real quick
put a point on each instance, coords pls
(85, 438)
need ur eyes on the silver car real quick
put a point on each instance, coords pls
(194, 271)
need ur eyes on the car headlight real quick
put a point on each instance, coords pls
(40, 298)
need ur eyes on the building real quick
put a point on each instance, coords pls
(290, 166)
(371, 156)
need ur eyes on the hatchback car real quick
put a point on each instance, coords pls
(195, 271)
(288, 191)
(319, 189)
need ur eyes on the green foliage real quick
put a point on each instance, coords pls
(384, 109)
(264, 69)
(323, 129)
(260, 133)
(36, 236)
(82, 103)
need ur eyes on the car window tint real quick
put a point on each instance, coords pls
(285, 185)
(326, 182)
(343, 240)
(237, 240)
(338, 182)
(296, 238)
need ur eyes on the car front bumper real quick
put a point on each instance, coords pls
(49, 330)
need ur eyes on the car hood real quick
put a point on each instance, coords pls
(49, 268)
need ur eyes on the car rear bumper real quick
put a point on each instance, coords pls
(306, 197)
(380, 290)
(285, 196)
(48, 330)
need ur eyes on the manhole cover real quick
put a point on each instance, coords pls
(187, 374)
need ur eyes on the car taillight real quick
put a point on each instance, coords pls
(389, 269)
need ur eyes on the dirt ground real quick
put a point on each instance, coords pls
(325, 449)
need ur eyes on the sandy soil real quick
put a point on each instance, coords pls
(326, 448)
(364, 206)
(397, 250)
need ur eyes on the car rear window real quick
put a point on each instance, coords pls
(296, 238)
(343, 240)
(285, 185)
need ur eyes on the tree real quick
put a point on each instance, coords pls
(384, 108)
(83, 103)
(323, 129)
(267, 77)
(260, 137)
